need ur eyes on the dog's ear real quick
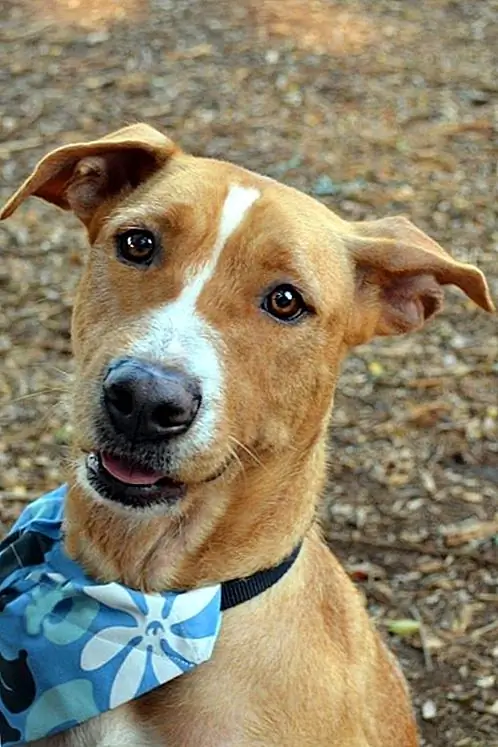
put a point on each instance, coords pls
(81, 176)
(400, 274)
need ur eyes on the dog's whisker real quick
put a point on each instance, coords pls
(33, 395)
(233, 454)
(248, 451)
(61, 372)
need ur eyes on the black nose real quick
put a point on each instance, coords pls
(148, 402)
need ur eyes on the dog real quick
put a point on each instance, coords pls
(214, 312)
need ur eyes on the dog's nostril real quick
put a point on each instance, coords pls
(175, 412)
(121, 397)
(165, 415)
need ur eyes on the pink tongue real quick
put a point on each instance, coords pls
(123, 471)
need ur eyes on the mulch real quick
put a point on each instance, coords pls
(376, 107)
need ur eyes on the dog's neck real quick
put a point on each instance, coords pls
(231, 530)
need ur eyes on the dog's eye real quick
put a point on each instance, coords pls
(285, 303)
(136, 246)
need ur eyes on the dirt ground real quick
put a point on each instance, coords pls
(376, 107)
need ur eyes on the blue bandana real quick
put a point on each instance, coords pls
(71, 648)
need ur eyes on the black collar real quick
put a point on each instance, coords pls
(240, 590)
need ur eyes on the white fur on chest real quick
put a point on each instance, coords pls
(115, 728)
(119, 729)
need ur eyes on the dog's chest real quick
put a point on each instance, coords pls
(125, 728)
(118, 728)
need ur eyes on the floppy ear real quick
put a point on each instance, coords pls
(400, 272)
(79, 177)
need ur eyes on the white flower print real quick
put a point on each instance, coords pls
(144, 641)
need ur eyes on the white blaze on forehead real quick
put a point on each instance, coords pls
(237, 203)
(178, 335)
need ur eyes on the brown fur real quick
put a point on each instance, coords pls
(301, 664)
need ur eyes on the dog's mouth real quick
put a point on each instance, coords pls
(118, 479)
(134, 485)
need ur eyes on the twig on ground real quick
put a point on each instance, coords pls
(6, 495)
(413, 547)
(423, 639)
(18, 146)
(479, 632)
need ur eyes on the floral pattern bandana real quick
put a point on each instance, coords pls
(71, 648)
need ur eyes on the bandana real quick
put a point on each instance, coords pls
(71, 648)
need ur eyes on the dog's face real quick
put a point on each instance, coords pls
(226, 334)
(214, 311)
(204, 329)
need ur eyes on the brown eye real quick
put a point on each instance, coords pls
(136, 247)
(284, 303)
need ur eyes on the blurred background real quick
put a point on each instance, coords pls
(375, 107)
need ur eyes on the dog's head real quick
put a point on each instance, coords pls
(213, 314)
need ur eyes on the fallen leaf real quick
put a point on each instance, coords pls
(403, 627)
(469, 531)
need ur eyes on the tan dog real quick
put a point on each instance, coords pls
(214, 313)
